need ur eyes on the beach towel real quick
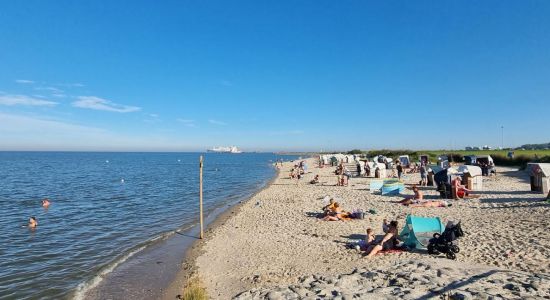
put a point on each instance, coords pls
(390, 251)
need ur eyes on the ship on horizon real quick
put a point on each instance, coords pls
(231, 149)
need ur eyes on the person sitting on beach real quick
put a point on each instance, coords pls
(417, 198)
(389, 241)
(46, 203)
(460, 190)
(315, 179)
(434, 203)
(329, 207)
(32, 222)
(336, 213)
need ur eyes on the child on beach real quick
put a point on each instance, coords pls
(370, 237)
(315, 179)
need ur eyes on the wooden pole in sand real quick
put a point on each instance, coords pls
(200, 196)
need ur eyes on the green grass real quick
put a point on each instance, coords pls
(528, 153)
(500, 157)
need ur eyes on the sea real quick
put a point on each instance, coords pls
(104, 206)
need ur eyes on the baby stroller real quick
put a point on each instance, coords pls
(445, 242)
(443, 185)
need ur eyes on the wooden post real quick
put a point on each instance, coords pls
(200, 196)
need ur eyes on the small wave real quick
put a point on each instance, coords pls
(83, 288)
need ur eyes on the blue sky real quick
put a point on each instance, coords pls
(273, 75)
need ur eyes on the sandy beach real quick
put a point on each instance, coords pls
(274, 246)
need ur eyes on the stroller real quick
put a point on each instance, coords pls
(445, 242)
(443, 185)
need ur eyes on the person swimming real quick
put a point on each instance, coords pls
(32, 222)
(46, 203)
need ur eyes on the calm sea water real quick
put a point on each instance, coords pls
(103, 206)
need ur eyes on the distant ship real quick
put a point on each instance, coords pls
(232, 149)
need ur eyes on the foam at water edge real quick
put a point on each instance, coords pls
(84, 287)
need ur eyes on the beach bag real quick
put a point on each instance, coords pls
(359, 214)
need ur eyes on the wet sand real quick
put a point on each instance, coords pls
(160, 270)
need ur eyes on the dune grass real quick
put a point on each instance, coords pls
(194, 290)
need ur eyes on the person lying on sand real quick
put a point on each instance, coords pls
(435, 203)
(389, 241)
(336, 214)
(417, 198)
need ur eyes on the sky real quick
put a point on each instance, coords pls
(273, 75)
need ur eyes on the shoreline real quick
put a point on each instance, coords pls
(195, 249)
(162, 258)
(275, 248)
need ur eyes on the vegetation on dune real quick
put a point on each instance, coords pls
(194, 290)
(500, 157)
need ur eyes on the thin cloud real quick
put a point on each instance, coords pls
(70, 85)
(96, 103)
(50, 89)
(12, 100)
(216, 122)
(59, 95)
(11, 123)
(187, 122)
(152, 119)
(24, 81)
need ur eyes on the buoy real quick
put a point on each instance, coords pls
(122, 180)
(107, 161)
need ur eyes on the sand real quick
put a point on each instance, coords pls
(275, 243)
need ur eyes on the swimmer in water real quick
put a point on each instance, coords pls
(33, 222)
(46, 203)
